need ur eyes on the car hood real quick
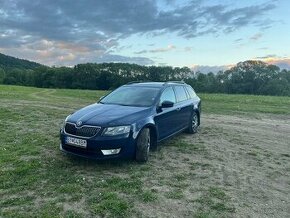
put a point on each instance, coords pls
(108, 115)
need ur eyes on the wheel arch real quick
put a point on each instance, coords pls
(153, 134)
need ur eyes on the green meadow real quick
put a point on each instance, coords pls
(184, 178)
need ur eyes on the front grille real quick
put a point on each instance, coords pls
(84, 131)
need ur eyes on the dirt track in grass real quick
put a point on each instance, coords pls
(247, 158)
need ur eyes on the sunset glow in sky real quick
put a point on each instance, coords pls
(201, 34)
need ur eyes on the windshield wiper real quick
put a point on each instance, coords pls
(124, 104)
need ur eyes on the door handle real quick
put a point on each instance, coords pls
(178, 109)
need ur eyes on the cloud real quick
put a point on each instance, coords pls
(238, 40)
(208, 69)
(96, 26)
(54, 53)
(256, 37)
(166, 49)
(124, 59)
(157, 50)
(282, 62)
(252, 39)
(68, 20)
(270, 56)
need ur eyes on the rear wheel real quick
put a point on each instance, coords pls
(193, 124)
(143, 145)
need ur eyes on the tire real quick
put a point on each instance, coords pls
(143, 145)
(193, 123)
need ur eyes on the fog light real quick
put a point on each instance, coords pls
(111, 151)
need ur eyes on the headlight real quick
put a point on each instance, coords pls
(116, 130)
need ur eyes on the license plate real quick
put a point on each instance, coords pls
(76, 142)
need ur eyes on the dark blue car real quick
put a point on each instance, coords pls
(131, 120)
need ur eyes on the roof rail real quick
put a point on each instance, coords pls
(167, 82)
(131, 82)
(179, 82)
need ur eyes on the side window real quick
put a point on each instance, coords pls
(191, 92)
(180, 93)
(187, 94)
(168, 95)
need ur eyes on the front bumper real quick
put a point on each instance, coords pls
(98, 143)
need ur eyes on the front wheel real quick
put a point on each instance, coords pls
(143, 145)
(193, 124)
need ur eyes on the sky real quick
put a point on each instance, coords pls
(205, 35)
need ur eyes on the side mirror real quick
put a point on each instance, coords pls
(167, 104)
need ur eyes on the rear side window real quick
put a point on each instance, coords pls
(168, 95)
(180, 93)
(191, 92)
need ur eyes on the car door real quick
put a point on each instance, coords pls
(183, 106)
(192, 95)
(166, 118)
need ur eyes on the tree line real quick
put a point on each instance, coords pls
(249, 77)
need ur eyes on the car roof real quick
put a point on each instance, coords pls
(155, 84)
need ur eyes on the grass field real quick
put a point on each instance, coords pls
(237, 165)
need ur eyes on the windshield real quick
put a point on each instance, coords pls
(132, 96)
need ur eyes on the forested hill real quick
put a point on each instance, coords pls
(248, 77)
(8, 62)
